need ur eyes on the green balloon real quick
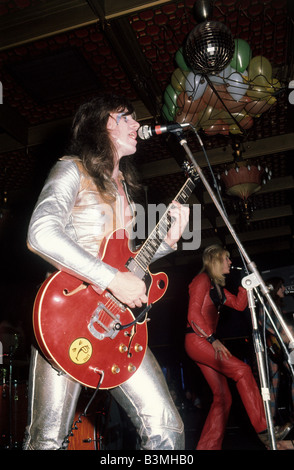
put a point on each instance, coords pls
(179, 58)
(242, 55)
(166, 113)
(178, 79)
(170, 98)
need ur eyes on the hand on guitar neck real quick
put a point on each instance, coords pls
(126, 286)
(180, 216)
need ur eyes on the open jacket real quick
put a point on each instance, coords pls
(203, 311)
(70, 221)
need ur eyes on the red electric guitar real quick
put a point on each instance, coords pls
(93, 337)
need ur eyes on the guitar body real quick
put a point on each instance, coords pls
(76, 328)
(92, 337)
(115, 251)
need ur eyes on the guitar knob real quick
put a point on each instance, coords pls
(131, 368)
(122, 348)
(115, 369)
(138, 347)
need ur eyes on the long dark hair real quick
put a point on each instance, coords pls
(90, 141)
(275, 283)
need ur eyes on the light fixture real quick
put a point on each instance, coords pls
(242, 180)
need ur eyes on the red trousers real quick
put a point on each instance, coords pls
(215, 372)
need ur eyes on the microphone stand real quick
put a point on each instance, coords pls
(250, 282)
(277, 333)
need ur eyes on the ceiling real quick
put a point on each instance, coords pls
(55, 54)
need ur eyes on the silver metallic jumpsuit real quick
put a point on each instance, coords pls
(67, 226)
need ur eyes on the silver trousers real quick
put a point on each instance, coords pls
(145, 398)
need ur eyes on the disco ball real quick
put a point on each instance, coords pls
(209, 47)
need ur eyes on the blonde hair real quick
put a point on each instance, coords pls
(212, 258)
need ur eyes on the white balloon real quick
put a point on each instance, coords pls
(195, 85)
(236, 86)
(220, 78)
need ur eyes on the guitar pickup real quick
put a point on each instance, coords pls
(103, 323)
(135, 268)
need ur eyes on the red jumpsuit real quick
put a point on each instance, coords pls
(203, 313)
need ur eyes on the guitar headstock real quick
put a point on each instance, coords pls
(190, 171)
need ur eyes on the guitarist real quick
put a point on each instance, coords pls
(83, 200)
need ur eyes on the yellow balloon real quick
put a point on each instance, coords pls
(276, 83)
(258, 88)
(231, 118)
(208, 116)
(234, 129)
(178, 79)
(274, 86)
(272, 100)
(259, 65)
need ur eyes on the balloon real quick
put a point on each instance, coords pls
(184, 117)
(213, 98)
(235, 129)
(235, 106)
(259, 65)
(170, 98)
(187, 105)
(178, 79)
(272, 100)
(208, 116)
(246, 122)
(243, 121)
(195, 85)
(220, 78)
(179, 58)
(275, 86)
(245, 75)
(242, 55)
(231, 118)
(258, 107)
(166, 113)
(258, 89)
(218, 127)
(236, 86)
(195, 120)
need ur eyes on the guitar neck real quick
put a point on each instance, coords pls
(147, 251)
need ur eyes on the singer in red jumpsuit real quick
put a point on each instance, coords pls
(207, 295)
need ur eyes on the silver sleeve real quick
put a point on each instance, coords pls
(47, 236)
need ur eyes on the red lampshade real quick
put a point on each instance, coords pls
(242, 180)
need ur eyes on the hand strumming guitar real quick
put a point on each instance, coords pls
(129, 289)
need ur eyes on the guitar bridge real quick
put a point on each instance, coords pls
(103, 323)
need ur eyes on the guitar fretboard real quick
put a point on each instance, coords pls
(158, 234)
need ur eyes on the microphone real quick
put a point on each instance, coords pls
(145, 132)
